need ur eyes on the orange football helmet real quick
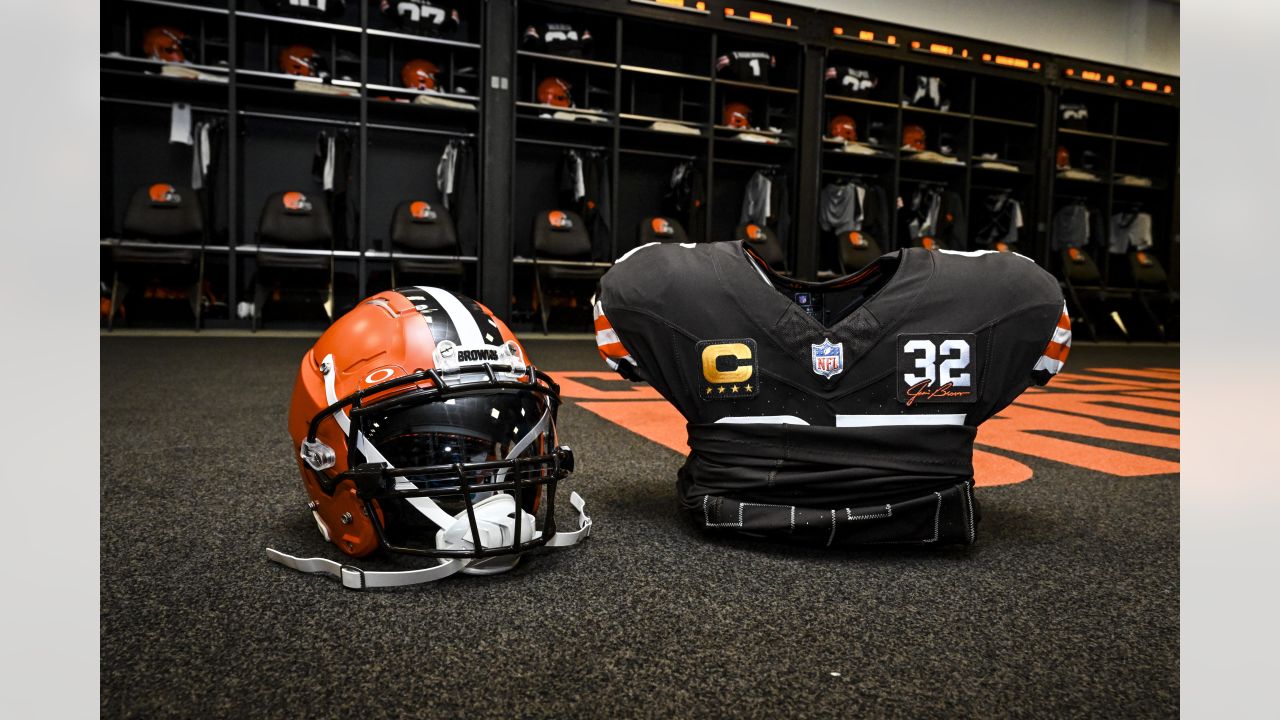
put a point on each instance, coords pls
(843, 126)
(419, 75)
(554, 91)
(420, 426)
(913, 137)
(299, 60)
(421, 210)
(296, 201)
(737, 115)
(164, 43)
(163, 194)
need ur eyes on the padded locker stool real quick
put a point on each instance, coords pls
(559, 235)
(162, 213)
(292, 221)
(764, 241)
(856, 251)
(661, 229)
(420, 228)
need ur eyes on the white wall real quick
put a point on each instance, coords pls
(1134, 33)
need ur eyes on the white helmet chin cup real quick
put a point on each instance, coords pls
(495, 519)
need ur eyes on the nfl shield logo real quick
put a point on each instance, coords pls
(828, 359)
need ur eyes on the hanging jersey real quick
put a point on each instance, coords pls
(929, 92)
(999, 221)
(836, 413)
(422, 17)
(749, 66)
(1130, 231)
(845, 80)
(1071, 227)
(557, 39)
(840, 207)
(1073, 115)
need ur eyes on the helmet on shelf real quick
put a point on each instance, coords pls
(299, 60)
(843, 126)
(420, 426)
(554, 91)
(165, 43)
(913, 137)
(737, 115)
(419, 74)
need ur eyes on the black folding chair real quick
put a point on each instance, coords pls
(160, 213)
(764, 241)
(1085, 288)
(422, 228)
(559, 236)
(293, 221)
(1153, 292)
(856, 251)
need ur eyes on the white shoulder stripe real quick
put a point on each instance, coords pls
(1047, 363)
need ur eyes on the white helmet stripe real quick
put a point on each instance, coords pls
(469, 334)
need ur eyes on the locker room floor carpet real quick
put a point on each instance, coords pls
(1067, 604)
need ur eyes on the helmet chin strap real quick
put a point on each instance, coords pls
(494, 519)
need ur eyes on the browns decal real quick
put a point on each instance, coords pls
(296, 202)
(164, 194)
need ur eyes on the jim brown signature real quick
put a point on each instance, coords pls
(922, 391)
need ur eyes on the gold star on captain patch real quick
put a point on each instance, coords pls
(708, 389)
(733, 389)
(747, 387)
(720, 389)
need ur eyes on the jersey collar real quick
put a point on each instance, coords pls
(901, 263)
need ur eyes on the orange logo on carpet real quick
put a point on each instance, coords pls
(1135, 408)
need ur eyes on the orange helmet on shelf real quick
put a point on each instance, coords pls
(843, 126)
(299, 60)
(164, 43)
(554, 91)
(1063, 158)
(913, 137)
(419, 75)
(737, 115)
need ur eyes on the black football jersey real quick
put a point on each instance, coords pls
(557, 38)
(746, 66)
(845, 80)
(929, 92)
(422, 17)
(841, 412)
